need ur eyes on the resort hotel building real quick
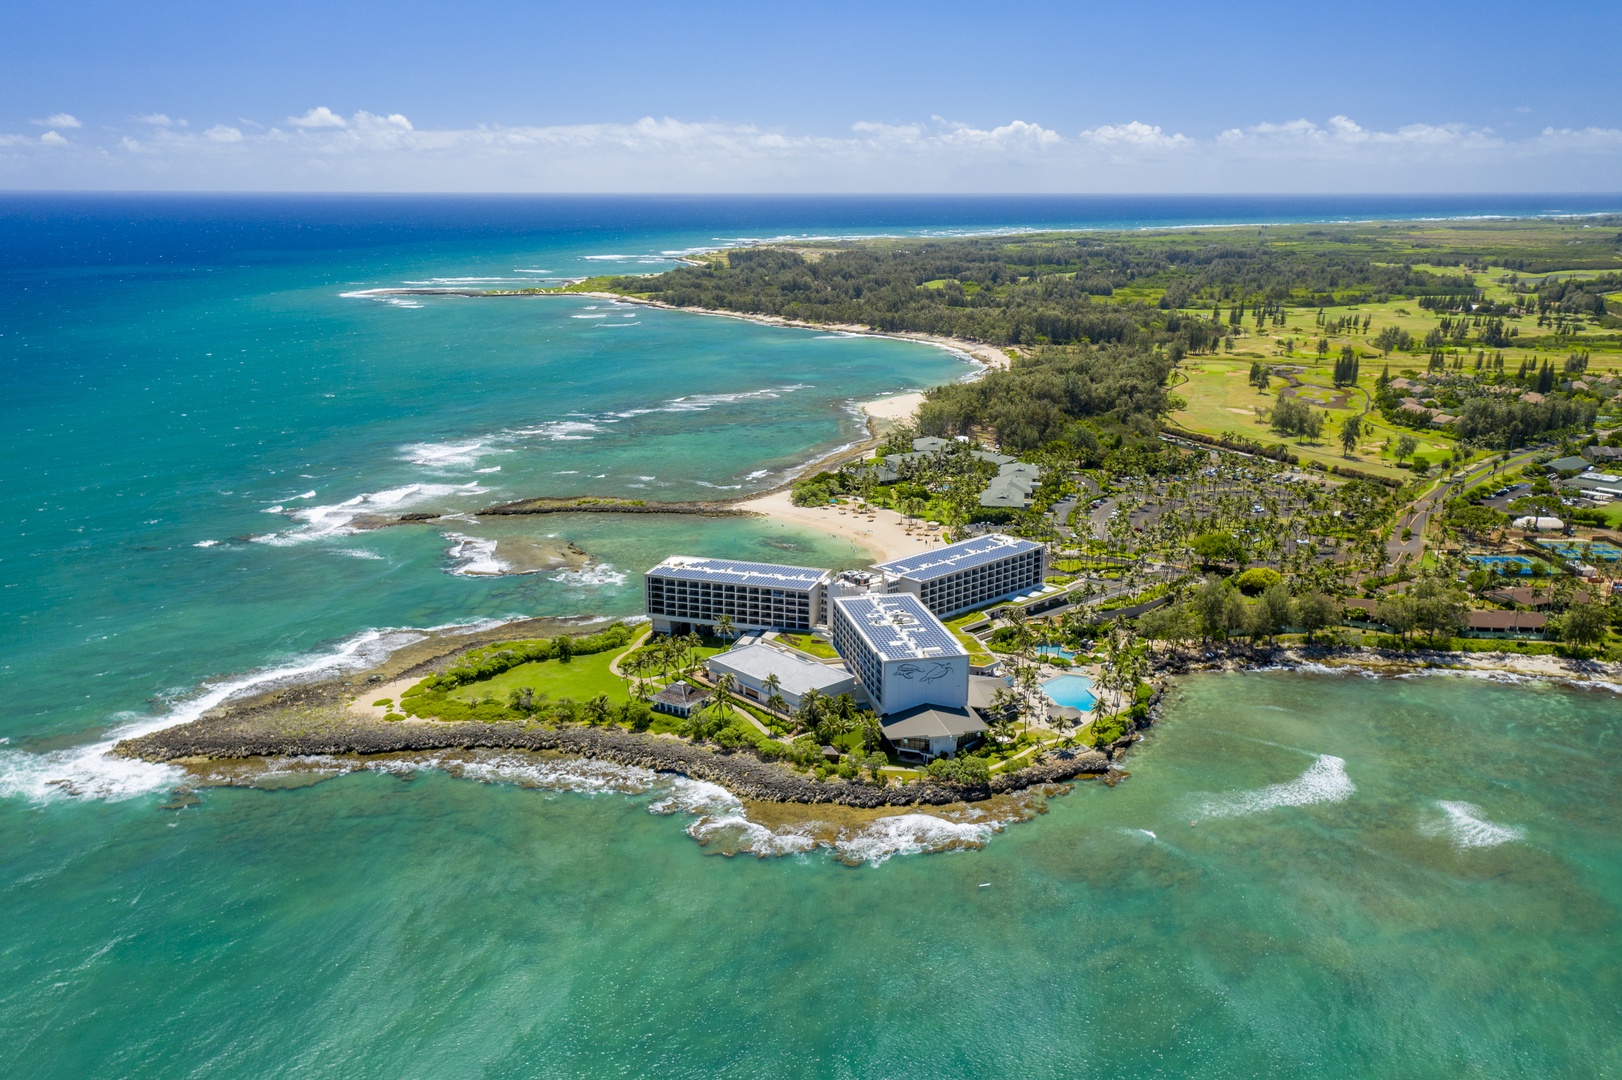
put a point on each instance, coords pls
(687, 593)
(967, 575)
(899, 652)
(884, 624)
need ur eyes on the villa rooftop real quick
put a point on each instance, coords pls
(734, 572)
(897, 626)
(932, 721)
(963, 555)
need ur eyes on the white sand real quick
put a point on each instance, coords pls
(887, 536)
(362, 705)
(989, 355)
(899, 408)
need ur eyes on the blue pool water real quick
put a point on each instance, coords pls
(1074, 691)
(1056, 650)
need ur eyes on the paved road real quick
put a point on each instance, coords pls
(1418, 515)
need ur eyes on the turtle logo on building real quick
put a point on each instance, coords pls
(926, 673)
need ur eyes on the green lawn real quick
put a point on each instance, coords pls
(709, 648)
(582, 678)
(977, 651)
(1220, 398)
(809, 645)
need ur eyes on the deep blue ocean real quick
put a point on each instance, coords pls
(202, 406)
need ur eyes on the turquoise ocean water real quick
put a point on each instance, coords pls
(1408, 877)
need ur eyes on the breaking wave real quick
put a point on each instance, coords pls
(318, 522)
(1463, 824)
(90, 772)
(590, 576)
(912, 834)
(1325, 781)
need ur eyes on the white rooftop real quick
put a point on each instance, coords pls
(898, 626)
(959, 556)
(796, 674)
(737, 572)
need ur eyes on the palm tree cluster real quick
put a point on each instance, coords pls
(665, 654)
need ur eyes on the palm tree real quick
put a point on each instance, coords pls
(724, 628)
(774, 700)
(598, 710)
(810, 711)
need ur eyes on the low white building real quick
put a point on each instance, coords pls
(752, 664)
(899, 652)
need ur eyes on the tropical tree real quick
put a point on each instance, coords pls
(1317, 611)
(1351, 429)
(1583, 625)
(724, 628)
(598, 711)
(774, 697)
(1406, 445)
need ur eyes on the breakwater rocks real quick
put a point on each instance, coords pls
(594, 505)
(741, 773)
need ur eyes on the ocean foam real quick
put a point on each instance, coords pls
(442, 455)
(474, 557)
(325, 521)
(206, 543)
(561, 430)
(1466, 828)
(1325, 781)
(911, 834)
(88, 771)
(590, 576)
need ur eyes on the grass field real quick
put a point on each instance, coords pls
(1220, 399)
(582, 678)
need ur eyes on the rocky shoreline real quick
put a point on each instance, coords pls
(313, 718)
(741, 773)
(1389, 662)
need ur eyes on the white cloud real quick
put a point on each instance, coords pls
(318, 117)
(1135, 133)
(321, 150)
(59, 120)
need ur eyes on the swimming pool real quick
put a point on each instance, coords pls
(1073, 691)
(1056, 650)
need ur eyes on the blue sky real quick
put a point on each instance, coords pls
(811, 97)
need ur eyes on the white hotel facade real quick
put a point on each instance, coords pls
(688, 592)
(885, 625)
(970, 574)
(899, 652)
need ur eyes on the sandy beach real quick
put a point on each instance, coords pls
(989, 355)
(897, 409)
(883, 532)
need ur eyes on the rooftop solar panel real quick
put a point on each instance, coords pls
(736, 572)
(960, 556)
(899, 627)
